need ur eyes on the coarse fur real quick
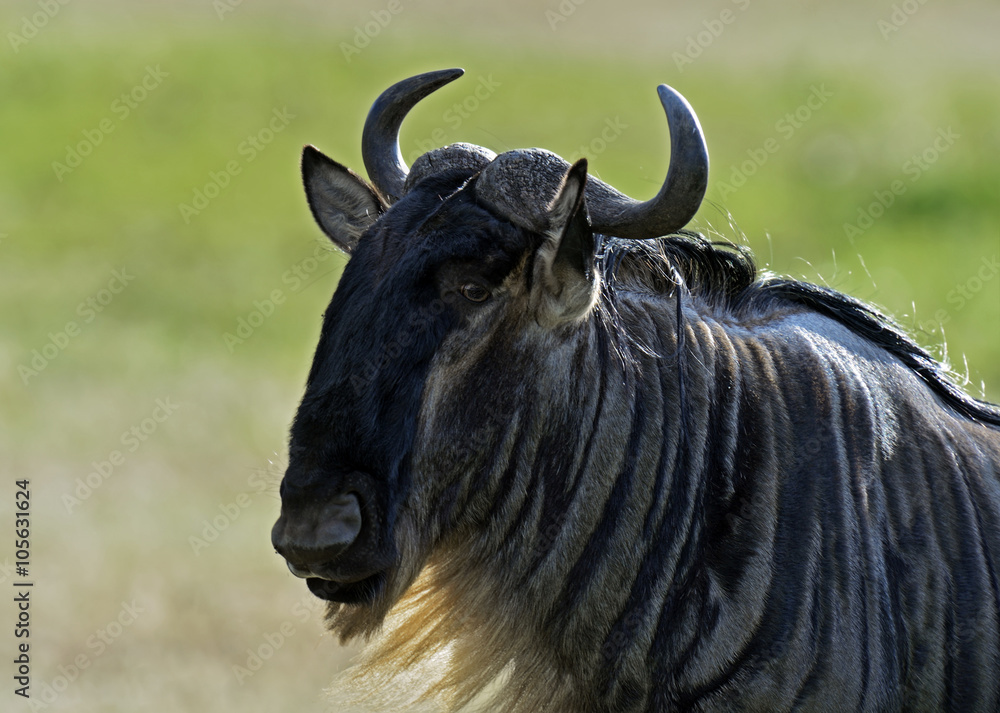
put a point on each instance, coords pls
(714, 492)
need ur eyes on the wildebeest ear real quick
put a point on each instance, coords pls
(341, 201)
(565, 284)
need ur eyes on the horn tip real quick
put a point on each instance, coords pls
(448, 75)
(669, 94)
(679, 110)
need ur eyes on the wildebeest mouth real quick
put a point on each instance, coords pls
(331, 540)
(362, 591)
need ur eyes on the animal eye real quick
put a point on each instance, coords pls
(474, 292)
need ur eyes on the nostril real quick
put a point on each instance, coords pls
(307, 537)
(339, 522)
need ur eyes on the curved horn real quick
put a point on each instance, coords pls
(616, 214)
(380, 138)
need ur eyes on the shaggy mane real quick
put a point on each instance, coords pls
(446, 645)
(726, 276)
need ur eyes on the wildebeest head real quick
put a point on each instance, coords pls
(457, 266)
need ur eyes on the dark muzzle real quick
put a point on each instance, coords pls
(312, 536)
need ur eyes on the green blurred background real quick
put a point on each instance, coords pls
(155, 581)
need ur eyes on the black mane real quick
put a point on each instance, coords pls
(726, 275)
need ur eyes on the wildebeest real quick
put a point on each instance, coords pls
(559, 453)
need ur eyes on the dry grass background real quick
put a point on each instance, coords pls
(128, 545)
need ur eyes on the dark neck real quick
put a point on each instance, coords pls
(605, 506)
